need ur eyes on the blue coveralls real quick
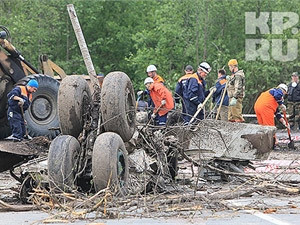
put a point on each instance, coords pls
(14, 113)
(278, 95)
(192, 90)
(220, 86)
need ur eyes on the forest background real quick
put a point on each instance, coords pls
(129, 35)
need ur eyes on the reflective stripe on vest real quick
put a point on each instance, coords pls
(25, 93)
(188, 76)
(158, 79)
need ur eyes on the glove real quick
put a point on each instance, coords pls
(282, 107)
(163, 102)
(21, 102)
(200, 106)
(233, 102)
(212, 89)
(139, 93)
(153, 115)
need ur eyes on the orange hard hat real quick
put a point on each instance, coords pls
(232, 62)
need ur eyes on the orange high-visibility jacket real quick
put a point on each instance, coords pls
(265, 107)
(25, 93)
(159, 92)
(158, 79)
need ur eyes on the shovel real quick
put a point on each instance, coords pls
(222, 99)
(291, 144)
(155, 114)
(137, 102)
(200, 108)
(26, 132)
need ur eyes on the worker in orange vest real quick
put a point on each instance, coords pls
(192, 89)
(162, 98)
(151, 72)
(266, 106)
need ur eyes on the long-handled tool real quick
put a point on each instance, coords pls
(154, 114)
(200, 108)
(26, 132)
(137, 102)
(222, 99)
(291, 144)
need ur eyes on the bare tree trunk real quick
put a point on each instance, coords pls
(83, 47)
(197, 36)
(205, 32)
(68, 41)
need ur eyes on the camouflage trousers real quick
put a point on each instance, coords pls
(235, 112)
(293, 110)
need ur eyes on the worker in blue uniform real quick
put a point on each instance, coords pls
(19, 99)
(191, 88)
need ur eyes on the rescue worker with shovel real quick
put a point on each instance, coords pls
(267, 105)
(19, 100)
(162, 99)
(192, 89)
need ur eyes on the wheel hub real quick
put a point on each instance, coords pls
(130, 112)
(121, 167)
(41, 108)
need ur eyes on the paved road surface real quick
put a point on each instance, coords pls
(249, 217)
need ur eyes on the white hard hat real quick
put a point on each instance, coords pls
(283, 87)
(148, 80)
(205, 67)
(151, 68)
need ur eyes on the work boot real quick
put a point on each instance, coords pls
(17, 140)
(27, 137)
(12, 138)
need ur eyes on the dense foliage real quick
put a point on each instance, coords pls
(131, 34)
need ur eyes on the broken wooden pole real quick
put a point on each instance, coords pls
(83, 47)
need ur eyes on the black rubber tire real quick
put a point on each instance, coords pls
(42, 113)
(62, 156)
(118, 105)
(74, 93)
(110, 163)
(5, 130)
(26, 189)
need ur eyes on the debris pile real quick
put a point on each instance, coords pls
(167, 179)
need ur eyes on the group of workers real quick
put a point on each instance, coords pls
(191, 92)
(228, 93)
(270, 101)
